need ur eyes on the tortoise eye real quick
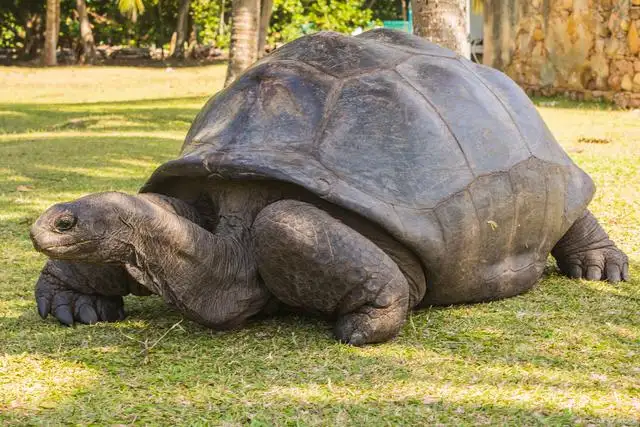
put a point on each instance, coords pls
(65, 222)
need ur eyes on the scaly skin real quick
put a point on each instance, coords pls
(81, 292)
(586, 251)
(212, 277)
(316, 259)
(313, 262)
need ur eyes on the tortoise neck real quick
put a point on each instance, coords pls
(171, 251)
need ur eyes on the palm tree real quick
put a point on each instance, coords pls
(444, 22)
(266, 8)
(131, 8)
(51, 32)
(244, 37)
(88, 46)
(180, 34)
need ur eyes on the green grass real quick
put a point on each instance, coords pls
(566, 353)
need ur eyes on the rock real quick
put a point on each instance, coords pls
(614, 82)
(622, 66)
(614, 22)
(635, 2)
(621, 100)
(636, 81)
(633, 39)
(574, 81)
(572, 29)
(602, 30)
(627, 83)
(624, 25)
(612, 46)
(538, 50)
(538, 35)
(600, 65)
(636, 66)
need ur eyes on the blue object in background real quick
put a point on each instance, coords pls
(401, 25)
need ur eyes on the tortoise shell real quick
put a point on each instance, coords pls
(448, 156)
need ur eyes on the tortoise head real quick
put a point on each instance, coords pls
(94, 228)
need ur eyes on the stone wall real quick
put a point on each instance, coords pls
(584, 49)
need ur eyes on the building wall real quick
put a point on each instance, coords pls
(584, 49)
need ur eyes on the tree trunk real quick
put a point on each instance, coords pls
(51, 33)
(244, 37)
(444, 22)
(221, 21)
(88, 46)
(181, 30)
(265, 17)
(33, 35)
(160, 32)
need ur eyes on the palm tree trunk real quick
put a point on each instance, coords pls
(244, 37)
(220, 30)
(51, 33)
(265, 16)
(444, 22)
(181, 30)
(88, 46)
(33, 35)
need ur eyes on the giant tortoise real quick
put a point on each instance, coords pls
(355, 178)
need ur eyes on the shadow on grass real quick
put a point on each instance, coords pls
(286, 369)
(43, 171)
(59, 163)
(156, 114)
(447, 365)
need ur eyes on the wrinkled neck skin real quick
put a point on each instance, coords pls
(211, 278)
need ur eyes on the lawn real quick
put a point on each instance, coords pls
(567, 352)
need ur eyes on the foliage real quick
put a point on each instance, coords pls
(206, 18)
(294, 18)
(477, 6)
(387, 10)
(131, 8)
(149, 22)
(15, 17)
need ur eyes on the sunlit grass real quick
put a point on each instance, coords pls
(70, 85)
(565, 353)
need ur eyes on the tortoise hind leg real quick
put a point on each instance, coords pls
(312, 261)
(585, 251)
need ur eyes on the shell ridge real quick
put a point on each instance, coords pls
(500, 100)
(545, 232)
(439, 114)
(514, 226)
(327, 113)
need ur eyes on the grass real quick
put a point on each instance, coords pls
(566, 353)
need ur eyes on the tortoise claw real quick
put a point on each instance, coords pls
(70, 306)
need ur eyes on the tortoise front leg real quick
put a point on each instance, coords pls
(312, 261)
(585, 251)
(86, 293)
